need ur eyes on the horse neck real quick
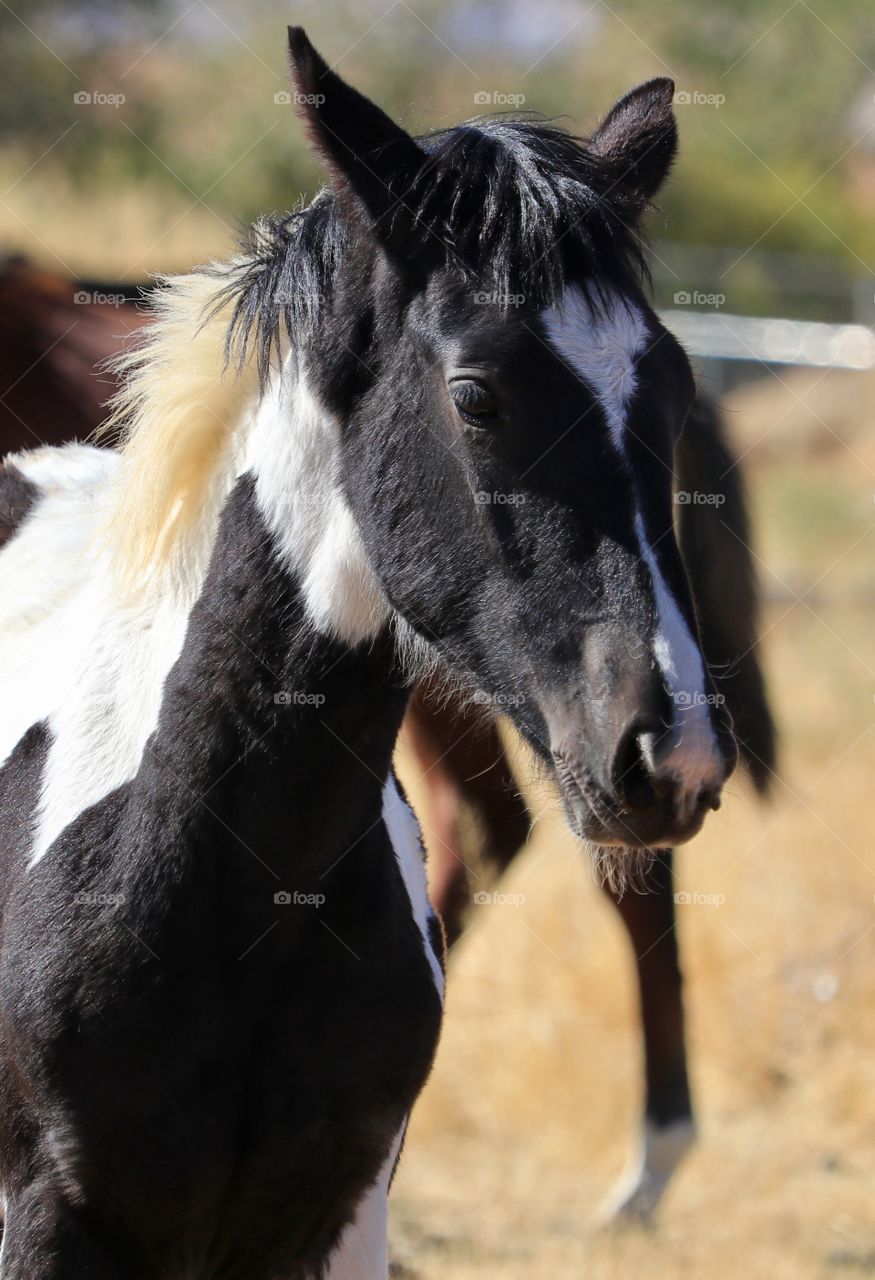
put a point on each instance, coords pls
(309, 702)
(264, 721)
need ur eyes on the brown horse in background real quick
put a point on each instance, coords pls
(56, 334)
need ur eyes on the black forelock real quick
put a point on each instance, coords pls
(518, 207)
(523, 207)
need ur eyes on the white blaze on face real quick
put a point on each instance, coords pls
(602, 348)
(692, 754)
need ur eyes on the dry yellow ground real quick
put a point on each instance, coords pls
(533, 1104)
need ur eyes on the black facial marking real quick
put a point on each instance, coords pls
(18, 496)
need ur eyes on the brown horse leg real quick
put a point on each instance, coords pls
(463, 762)
(669, 1127)
(447, 874)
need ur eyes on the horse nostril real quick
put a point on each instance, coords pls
(640, 781)
(631, 775)
(710, 796)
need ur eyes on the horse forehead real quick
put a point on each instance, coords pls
(602, 345)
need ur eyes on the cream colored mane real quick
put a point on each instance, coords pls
(179, 409)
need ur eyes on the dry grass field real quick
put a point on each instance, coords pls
(532, 1108)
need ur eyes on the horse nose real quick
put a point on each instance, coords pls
(654, 768)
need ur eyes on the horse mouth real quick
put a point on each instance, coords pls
(595, 818)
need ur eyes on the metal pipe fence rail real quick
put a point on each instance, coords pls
(727, 349)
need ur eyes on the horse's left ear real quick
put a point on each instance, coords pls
(639, 137)
(365, 151)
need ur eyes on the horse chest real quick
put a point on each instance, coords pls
(278, 1072)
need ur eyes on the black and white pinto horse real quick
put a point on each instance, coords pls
(221, 980)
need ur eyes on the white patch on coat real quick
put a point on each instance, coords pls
(73, 650)
(42, 570)
(192, 422)
(363, 1251)
(294, 452)
(406, 838)
(602, 347)
(92, 659)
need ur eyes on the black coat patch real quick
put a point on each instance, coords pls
(216, 1006)
(18, 496)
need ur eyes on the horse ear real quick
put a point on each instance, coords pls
(639, 137)
(365, 151)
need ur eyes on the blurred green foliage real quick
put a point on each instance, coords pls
(797, 116)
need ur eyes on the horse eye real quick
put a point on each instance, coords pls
(474, 402)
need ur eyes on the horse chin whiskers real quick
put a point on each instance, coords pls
(620, 868)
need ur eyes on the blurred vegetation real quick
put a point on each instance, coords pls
(199, 125)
